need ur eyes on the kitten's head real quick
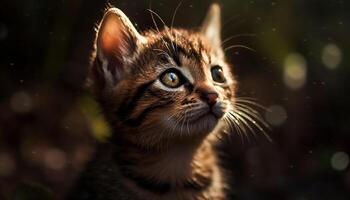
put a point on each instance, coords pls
(162, 84)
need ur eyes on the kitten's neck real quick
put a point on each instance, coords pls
(187, 164)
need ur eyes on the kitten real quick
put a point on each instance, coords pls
(165, 94)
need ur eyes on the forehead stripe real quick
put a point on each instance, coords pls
(185, 48)
(128, 105)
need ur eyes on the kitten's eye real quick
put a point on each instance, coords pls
(218, 74)
(171, 78)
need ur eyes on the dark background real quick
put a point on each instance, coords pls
(299, 71)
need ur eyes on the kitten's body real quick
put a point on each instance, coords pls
(162, 143)
(143, 174)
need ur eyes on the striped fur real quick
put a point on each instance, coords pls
(162, 145)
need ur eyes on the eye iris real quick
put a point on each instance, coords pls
(218, 74)
(171, 79)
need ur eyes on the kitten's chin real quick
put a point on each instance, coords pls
(199, 126)
(205, 124)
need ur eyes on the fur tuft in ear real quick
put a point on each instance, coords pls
(211, 27)
(116, 41)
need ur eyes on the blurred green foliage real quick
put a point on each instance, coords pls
(99, 126)
(32, 191)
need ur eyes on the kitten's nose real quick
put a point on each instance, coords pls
(207, 94)
(210, 97)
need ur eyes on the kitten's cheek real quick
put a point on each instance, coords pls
(167, 119)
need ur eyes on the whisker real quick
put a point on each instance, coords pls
(255, 115)
(232, 126)
(177, 121)
(156, 14)
(257, 120)
(242, 100)
(171, 42)
(182, 117)
(255, 124)
(188, 130)
(245, 123)
(236, 124)
(241, 105)
(249, 98)
(154, 22)
(239, 46)
(184, 120)
(241, 125)
(236, 36)
(174, 15)
(152, 16)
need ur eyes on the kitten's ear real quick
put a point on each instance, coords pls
(116, 41)
(211, 27)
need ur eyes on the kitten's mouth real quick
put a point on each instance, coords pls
(199, 121)
(213, 113)
(206, 116)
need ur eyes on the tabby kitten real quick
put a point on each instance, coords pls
(165, 94)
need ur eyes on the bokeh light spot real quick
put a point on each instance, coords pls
(275, 115)
(331, 56)
(3, 31)
(339, 161)
(7, 164)
(294, 71)
(55, 159)
(21, 102)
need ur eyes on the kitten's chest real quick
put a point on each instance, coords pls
(214, 191)
(177, 175)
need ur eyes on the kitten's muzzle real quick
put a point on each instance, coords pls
(210, 97)
(218, 109)
(215, 106)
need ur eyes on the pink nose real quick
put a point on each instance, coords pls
(210, 97)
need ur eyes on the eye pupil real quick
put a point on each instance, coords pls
(172, 77)
(218, 74)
